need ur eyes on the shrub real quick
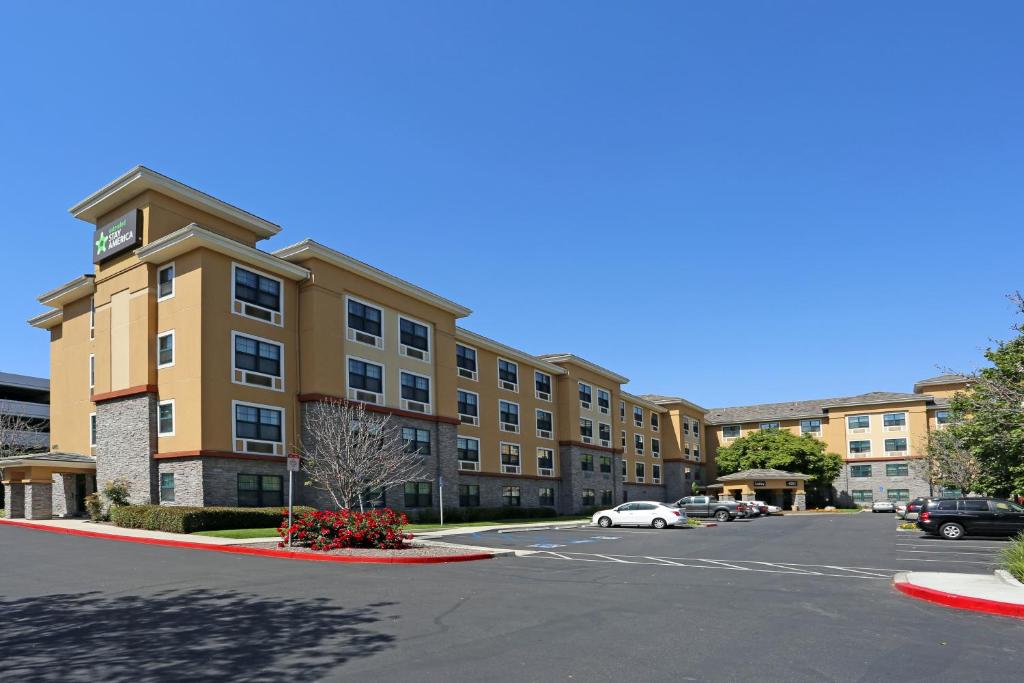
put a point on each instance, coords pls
(1012, 557)
(335, 529)
(459, 515)
(116, 492)
(94, 506)
(186, 520)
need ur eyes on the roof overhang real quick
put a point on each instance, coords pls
(69, 291)
(749, 475)
(54, 460)
(195, 236)
(474, 339)
(47, 319)
(678, 400)
(139, 179)
(921, 398)
(308, 249)
(571, 359)
(774, 418)
(650, 405)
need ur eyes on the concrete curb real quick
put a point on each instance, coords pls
(1006, 609)
(494, 552)
(260, 552)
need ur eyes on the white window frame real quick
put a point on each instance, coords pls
(597, 400)
(474, 420)
(93, 430)
(402, 401)
(497, 367)
(235, 266)
(739, 431)
(906, 446)
(624, 438)
(519, 467)
(174, 276)
(591, 437)
(853, 430)
(896, 428)
(638, 438)
(771, 424)
(474, 375)
(550, 471)
(551, 386)
(350, 332)
(622, 411)
(92, 371)
(540, 432)
(280, 345)
(655, 452)
(519, 412)
(471, 466)
(655, 422)
(174, 349)
(402, 347)
(584, 405)
(850, 453)
(815, 431)
(655, 473)
(642, 477)
(606, 443)
(638, 423)
(174, 418)
(349, 391)
(284, 433)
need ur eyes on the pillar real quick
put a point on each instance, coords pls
(799, 500)
(39, 500)
(14, 494)
(65, 502)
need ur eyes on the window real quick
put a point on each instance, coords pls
(654, 422)
(92, 317)
(508, 375)
(166, 487)
(858, 421)
(895, 445)
(897, 495)
(686, 426)
(656, 447)
(465, 359)
(622, 410)
(638, 471)
(729, 431)
(586, 429)
(625, 468)
(860, 471)
(623, 433)
(468, 450)
(92, 429)
(897, 469)
(542, 384)
(508, 415)
(769, 425)
(418, 494)
(165, 418)
(92, 371)
(416, 440)
(941, 417)
(656, 473)
(415, 338)
(366, 320)
(546, 460)
(606, 497)
(638, 443)
(585, 395)
(860, 447)
(604, 401)
(696, 428)
(257, 296)
(894, 420)
(415, 388)
(604, 432)
(696, 454)
(546, 496)
(969, 505)
(511, 496)
(810, 426)
(638, 416)
(165, 349)
(861, 495)
(588, 498)
(468, 405)
(259, 427)
(544, 424)
(260, 491)
(587, 462)
(605, 464)
(257, 362)
(510, 458)
(374, 498)
(165, 284)
(469, 495)
(364, 376)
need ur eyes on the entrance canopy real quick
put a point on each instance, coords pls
(39, 466)
(785, 489)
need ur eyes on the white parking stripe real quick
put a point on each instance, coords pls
(969, 553)
(958, 545)
(921, 559)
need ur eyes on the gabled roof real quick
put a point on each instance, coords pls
(670, 400)
(794, 410)
(948, 378)
(559, 358)
(763, 474)
(139, 179)
(478, 340)
(641, 401)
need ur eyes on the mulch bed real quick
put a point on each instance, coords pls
(407, 551)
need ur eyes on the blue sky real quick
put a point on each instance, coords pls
(736, 202)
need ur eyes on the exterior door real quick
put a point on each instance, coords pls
(624, 514)
(1009, 517)
(80, 494)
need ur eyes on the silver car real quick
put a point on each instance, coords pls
(883, 506)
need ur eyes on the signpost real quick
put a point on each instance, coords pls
(293, 466)
(440, 495)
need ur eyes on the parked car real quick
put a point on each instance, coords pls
(762, 508)
(914, 507)
(706, 506)
(901, 510)
(774, 510)
(883, 506)
(954, 518)
(641, 513)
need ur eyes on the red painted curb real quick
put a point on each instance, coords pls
(1005, 609)
(264, 552)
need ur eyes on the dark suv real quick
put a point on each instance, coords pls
(953, 518)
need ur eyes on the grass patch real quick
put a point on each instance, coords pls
(692, 521)
(240, 533)
(910, 526)
(1012, 557)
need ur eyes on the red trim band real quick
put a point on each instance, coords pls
(121, 393)
(220, 454)
(590, 446)
(308, 398)
(1006, 609)
(464, 473)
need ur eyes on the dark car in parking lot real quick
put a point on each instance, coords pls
(954, 518)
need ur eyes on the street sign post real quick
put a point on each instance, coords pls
(440, 495)
(293, 466)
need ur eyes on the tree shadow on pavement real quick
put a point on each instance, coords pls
(197, 635)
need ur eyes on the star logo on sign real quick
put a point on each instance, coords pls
(101, 244)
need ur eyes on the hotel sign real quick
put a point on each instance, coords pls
(759, 483)
(790, 482)
(117, 237)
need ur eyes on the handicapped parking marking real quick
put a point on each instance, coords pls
(583, 540)
(546, 545)
(606, 538)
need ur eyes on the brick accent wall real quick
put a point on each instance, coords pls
(491, 490)
(39, 500)
(575, 479)
(878, 483)
(188, 481)
(65, 496)
(14, 500)
(125, 441)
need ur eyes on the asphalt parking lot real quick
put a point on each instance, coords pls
(673, 606)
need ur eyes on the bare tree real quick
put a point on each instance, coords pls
(947, 460)
(348, 451)
(19, 435)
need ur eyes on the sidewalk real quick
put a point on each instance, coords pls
(997, 593)
(524, 526)
(84, 527)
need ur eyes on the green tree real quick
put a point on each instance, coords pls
(781, 450)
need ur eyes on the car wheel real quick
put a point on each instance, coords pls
(658, 523)
(604, 522)
(722, 515)
(951, 531)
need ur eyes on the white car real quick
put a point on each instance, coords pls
(774, 510)
(641, 513)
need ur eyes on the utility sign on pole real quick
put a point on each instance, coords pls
(293, 466)
(440, 496)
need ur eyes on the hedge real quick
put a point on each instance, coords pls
(186, 520)
(456, 515)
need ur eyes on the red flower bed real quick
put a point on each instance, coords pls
(337, 529)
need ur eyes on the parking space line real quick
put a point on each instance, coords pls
(972, 553)
(731, 566)
(958, 545)
(921, 559)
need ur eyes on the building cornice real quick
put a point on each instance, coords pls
(474, 339)
(568, 358)
(307, 249)
(69, 291)
(47, 319)
(139, 179)
(650, 405)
